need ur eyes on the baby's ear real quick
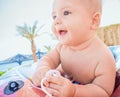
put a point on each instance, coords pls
(95, 20)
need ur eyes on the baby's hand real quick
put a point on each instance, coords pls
(45, 83)
(39, 75)
(60, 87)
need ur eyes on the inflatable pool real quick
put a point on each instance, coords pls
(15, 83)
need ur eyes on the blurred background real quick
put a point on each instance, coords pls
(17, 12)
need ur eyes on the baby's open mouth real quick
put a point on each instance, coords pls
(62, 32)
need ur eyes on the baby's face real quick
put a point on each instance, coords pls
(71, 21)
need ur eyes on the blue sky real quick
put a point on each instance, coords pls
(17, 12)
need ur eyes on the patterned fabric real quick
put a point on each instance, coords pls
(116, 53)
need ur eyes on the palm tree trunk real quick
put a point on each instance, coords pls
(33, 48)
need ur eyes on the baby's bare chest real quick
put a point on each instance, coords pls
(81, 66)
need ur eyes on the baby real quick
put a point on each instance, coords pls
(80, 54)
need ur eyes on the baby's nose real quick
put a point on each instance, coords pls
(57, 21)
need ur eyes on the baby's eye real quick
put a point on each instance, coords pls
(67, 12)
(54, 17)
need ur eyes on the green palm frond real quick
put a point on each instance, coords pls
(34, 27)
(27, 28)
(48, 48)
(23, 31)
(29, 32)
(28, 36)
(39, 28)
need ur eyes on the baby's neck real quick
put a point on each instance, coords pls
(84, 45)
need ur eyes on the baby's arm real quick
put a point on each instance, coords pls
(102, 85)
(49, 61)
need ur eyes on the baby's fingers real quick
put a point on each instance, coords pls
(52, 92)
(36, 82)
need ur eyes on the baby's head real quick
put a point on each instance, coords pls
(75, 21)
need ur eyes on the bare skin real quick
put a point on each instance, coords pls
(82, 55)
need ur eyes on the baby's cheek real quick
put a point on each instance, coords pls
(54, 31)
(53, 28)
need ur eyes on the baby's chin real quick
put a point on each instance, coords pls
(69, 43)
(63, 42)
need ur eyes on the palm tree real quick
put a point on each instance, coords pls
(30, 33)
